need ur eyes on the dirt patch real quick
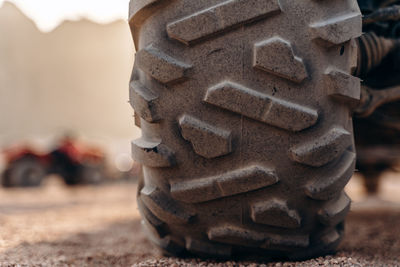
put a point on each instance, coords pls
(86, 226)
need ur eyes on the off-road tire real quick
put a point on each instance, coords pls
(27, 171)
(92, 174)
(245, 110)
(85, 174)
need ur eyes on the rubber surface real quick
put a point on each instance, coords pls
(245, 110)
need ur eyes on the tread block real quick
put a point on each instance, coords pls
(161, 66)
(208, 249)
(235, 235)
(277, 57)
(144, 102)
(338, 30)
(138, 5)
(149, 228)
(172, 247)
(137, 119)
(140, 11)
(207, 140)
(330, 238)
(328, 187)
(152, 154)
(228, 184)
(253, 104)
(342, 84)
(220, 18)
(324, 149)
(275, 213)
(354, 55)
(168, 245)
(151, 220)
(289, 241)
(241, 236)
(166, 209)
(335, 211)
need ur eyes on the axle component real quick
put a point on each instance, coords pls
(371, 99)
(372, 49)
(383, 14)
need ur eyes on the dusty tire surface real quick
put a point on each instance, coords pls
(245, 110)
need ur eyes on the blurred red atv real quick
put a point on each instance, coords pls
(75, 163)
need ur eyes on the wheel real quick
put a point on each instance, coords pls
(24, 172)
(245, 110)
(91, 174)
(85, 174)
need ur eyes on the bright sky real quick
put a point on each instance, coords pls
(48, 14)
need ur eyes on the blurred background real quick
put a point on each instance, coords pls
(65, 68)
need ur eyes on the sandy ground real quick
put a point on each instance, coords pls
(100, 226)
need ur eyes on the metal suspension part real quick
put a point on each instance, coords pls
(372, 99)
(383, 14)
(372, 49)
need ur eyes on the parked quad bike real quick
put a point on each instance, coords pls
(246, 114)
(74, 163)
